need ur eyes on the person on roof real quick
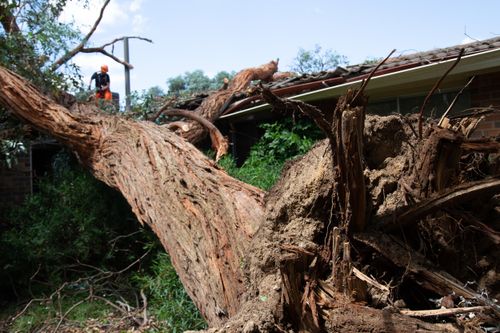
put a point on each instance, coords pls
(102, 82)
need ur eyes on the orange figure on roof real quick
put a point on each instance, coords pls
(102, 82)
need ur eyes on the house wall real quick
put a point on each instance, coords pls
(485, 91)
(15, 182)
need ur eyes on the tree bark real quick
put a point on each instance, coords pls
(204, 218)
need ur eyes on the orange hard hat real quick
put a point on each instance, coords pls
(104, 68)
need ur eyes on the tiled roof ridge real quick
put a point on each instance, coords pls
(472, 47)
(430, 56)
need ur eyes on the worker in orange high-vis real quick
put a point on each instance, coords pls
(102, 82)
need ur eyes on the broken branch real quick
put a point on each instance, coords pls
(436, 86)
(293, 105)
(66, 57)
(442, 312)
(434, 279)
(455, 100)
(365, 82)
(456, 195)
(219, 142)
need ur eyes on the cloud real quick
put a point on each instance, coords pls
(84, 17)
(468, 40)
(114, 13)
(135, 5)
(138, 23)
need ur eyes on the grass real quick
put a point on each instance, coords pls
(169, 303)
(39, 315)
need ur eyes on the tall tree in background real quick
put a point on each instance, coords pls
(317, 60)
(196, 82)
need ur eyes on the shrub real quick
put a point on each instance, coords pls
(71, 218)
(280, 142)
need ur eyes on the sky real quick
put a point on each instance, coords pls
(216, 35)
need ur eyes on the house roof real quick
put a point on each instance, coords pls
(397, 75)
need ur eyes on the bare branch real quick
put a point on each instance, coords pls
(128, 37)
(106, 53)
(455, 195)
(219, 142)
(84, 41)
(365, 82)
(284, 104)
(80, 48)
(164, 108)
(436, 86)
(455, 100)
(101, 49)
(443, 312)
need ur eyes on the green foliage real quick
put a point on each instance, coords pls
(167, 299)
(260, 173)
(31, 41)
(196, 82)
(281, 141)
(372, 61)
(316, 60)
(286, 139)
(9, 150)
(71, 218)
(71, 229)
(40, 40)
(146, 103)
(176, 85)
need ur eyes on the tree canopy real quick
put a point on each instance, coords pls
(317, 60)
(196, 82)
(33, 38)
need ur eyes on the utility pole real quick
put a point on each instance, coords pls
(127, 75)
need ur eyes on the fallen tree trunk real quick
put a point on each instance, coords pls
(286, 261)
(204, 218)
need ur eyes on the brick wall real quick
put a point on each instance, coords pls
(485, 91)
(15, 182)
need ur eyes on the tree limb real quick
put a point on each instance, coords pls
(365, 82)
(219, 142)
(80, 48)
(62, 60)
(128, 37)
(8, 20)
(433, 279)
(101, 49)
(455, 100)
(443, 312)
(436, 86)
(455, 195)
(106, 53)
(287, 105)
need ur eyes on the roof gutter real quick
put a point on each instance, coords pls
(469, 64)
